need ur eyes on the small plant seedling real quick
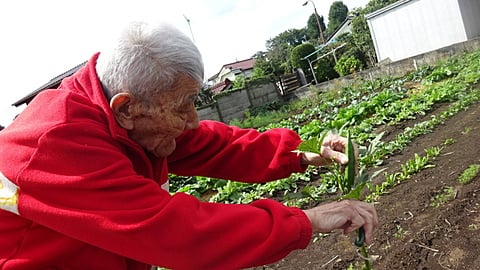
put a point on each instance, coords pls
(400, 233)
(466, 130)
(449, 141)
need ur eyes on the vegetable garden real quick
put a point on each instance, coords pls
(419, 145)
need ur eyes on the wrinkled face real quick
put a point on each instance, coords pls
(155, 130)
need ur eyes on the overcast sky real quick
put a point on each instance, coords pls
(41, 39)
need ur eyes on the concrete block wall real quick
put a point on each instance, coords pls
(263, 94)
(233, 105)
(209, 112)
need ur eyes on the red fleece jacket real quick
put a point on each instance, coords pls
(88, 197)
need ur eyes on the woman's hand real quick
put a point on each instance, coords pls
(332, 150)
(347, 215)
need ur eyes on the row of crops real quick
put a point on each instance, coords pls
(359, 110)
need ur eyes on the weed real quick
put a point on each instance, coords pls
(400, 233)
(447, 194)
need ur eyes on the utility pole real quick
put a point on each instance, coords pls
(189, 26)
(318, 20)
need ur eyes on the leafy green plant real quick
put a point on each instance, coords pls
(440, 74)
(348, 65)
(415, 165)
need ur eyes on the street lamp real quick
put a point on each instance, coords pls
(318, 21)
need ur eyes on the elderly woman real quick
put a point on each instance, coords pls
(84, 171)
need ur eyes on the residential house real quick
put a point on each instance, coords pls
(411, 27)
(228, 73)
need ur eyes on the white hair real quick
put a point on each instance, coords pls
(148, 60)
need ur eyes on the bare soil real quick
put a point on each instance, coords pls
(412, 234)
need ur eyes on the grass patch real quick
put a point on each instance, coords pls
(469, 173)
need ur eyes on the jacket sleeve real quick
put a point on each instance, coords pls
(81, 184)
(228, 152)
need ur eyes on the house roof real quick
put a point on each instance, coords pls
(221, 86)
(242, 65)
(53, 83)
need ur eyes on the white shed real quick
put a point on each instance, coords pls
(411, 27)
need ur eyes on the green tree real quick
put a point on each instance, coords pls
(262, 66)
(374, 5)
(337, 14)
(300, 52)
(239, 82)
(312, 27)
(291, 37)
(280, 47)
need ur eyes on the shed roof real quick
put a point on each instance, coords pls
(386, 8)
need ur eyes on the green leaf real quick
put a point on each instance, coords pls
(350, 170)
(310, 145)
(356, 192)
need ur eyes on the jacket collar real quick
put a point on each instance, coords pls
(86, 82)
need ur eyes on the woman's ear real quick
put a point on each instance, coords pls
(121, 105)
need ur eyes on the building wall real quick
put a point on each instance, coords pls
(470, 10)
(225, 73)
(415, 27)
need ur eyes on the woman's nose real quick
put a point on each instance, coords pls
(192, 120)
